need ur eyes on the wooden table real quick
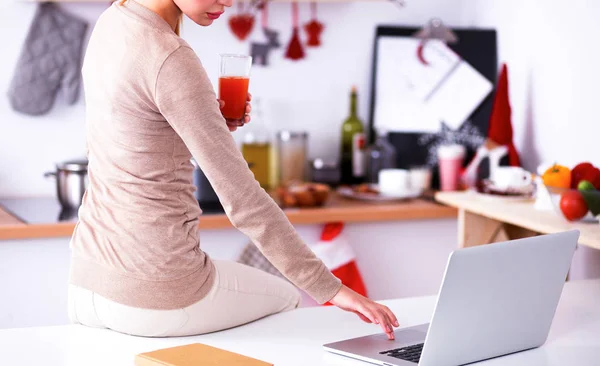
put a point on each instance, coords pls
(337, 209)
(487, 220)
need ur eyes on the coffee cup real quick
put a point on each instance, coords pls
(510, 177)
(393, 181)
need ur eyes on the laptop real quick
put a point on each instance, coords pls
(494, 300)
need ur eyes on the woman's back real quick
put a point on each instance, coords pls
(139, 217)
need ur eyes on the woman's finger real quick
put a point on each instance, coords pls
(391, 316)
(247, 119)
(368, 314)
(221, 103)
(389, 324)
(249, 97)
(362, 317)
(248, 108)
(383, 321)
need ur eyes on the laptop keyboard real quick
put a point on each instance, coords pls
(410, 353)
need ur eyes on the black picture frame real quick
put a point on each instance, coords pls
(478, 47)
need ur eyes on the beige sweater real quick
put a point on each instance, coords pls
(150, 109)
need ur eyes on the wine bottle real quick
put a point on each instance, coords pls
(353, 144)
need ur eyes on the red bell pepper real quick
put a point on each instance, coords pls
(585, 171)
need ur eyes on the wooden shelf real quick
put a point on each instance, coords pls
(521, 214)
(337, 209)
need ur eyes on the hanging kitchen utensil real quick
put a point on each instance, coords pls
(242, 23)
(434, 29)
(295, 50)
(314, 28)
(260, 51)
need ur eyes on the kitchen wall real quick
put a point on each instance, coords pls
(551, 50)
(550, 47)
(310, 94)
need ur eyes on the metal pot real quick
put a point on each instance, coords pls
(71, 182)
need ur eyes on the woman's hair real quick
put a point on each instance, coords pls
(179, 21)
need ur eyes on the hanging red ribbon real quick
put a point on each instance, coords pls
(314, 28)
(295, 50)
(265, 15)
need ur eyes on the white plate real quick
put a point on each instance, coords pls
(349, 193)
(497, 197)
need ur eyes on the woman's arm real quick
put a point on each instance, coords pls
(185, 97)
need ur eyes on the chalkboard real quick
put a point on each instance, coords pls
(477, 47)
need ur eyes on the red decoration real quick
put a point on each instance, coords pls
(500, 128)
(314, 28)
(241, 24)
(295, 50)
(338, 256)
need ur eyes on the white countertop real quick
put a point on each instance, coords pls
(295, 338)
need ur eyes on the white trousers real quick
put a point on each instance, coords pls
(240, 294)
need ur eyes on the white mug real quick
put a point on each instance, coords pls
(506, 177)
(393, 181)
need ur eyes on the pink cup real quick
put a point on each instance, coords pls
(450, 159)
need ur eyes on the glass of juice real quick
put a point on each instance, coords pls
(233, 85)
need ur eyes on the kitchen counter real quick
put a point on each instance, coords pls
(48, 223)
(295, 338)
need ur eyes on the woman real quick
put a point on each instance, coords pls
(136, 265)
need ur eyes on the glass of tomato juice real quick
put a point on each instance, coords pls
(233, 85)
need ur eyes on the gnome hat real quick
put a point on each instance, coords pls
(500, 127)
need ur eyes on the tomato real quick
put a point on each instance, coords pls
(573, 206)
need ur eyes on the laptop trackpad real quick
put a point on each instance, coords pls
(379, 342)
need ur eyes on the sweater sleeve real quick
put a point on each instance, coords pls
(185, 97)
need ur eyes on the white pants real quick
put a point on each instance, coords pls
(240, 294)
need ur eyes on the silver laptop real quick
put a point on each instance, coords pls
(494, 300)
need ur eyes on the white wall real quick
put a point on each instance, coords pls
(551, 50)
(396, 260)
(310, 94)
(550, 47)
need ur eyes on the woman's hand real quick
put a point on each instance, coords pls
(233, 124)
(366, 309)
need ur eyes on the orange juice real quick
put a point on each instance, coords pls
(233, 90)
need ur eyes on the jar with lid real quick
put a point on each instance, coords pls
(380, 155)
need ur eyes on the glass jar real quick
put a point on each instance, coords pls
(257, 146)
(291, 156)
(380, 155)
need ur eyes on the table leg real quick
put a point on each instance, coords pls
(474, 229)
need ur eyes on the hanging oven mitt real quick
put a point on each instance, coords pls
(50, 60)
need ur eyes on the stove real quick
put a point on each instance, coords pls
(47, 210)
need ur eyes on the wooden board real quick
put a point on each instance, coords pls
(337, 209)
(521, 214)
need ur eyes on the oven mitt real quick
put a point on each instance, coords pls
(50, 61)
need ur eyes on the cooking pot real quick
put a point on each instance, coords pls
(71, 182)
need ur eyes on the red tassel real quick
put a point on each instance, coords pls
(295, 50)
